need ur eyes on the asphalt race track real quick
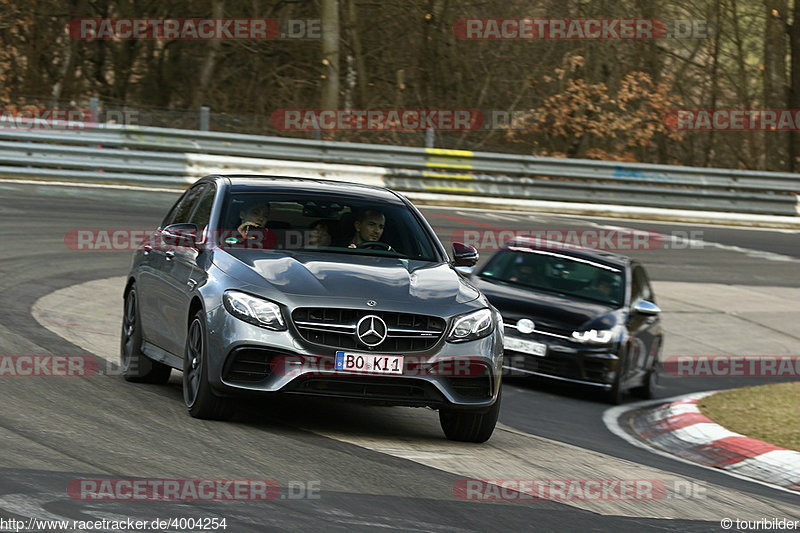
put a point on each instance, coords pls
(361, 468)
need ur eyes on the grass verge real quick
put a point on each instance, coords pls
(768, 412)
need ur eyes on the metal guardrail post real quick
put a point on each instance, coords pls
(94, 107)
(205, 118)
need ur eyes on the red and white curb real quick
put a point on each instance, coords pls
(681, 429)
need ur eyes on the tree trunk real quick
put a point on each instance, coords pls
(776, 151)
(207, 71)
(330, 54)
(358, 53)
(794, 89)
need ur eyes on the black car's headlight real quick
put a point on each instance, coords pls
(254, 310)
(594, 336)
(471, 326)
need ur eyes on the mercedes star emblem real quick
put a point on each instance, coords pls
(371, 330)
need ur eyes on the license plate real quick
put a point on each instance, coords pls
(521, 345)
(369, 364)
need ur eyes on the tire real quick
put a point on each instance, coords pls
(200, 400)
(136, 366)
(615, 395)
(470, 426)
(648, 390)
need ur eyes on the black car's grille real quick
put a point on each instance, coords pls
(384, 389)
(249, 365)
(555, 366)
(336, 328)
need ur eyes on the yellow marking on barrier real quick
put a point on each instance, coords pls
(448, 155)
(452, 153)
(434, 164)
(447, 176)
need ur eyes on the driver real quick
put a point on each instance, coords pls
(253, 216)
(369, 227)
(253, 232)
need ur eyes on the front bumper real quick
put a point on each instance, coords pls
(246, 359)
(564, 359)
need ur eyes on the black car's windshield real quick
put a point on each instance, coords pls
(552, 271)
(327, 223)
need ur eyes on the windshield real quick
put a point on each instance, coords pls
(269, 221)
(552, 271)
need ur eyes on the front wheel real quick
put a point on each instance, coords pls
(136, 366)
(616, 395)
(470, 426)
(648, 390)
(200, 400)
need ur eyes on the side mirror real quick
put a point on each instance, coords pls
(646, 308)
(464, 255)
(180, 235)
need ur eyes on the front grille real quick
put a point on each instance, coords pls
(383, 389)
(336, 328)
(554, 366)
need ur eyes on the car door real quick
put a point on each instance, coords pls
(150, 265)
(642, 327)
(160, 308)
(182, 274)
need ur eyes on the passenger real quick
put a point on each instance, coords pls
(320, 234)
(604, 284)
(368, 227)
(603, 287)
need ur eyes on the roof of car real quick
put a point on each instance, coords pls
(523, 243)
(243, 182)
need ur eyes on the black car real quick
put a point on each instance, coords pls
(264, 285)
(577, 315)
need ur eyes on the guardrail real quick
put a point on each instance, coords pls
(119, 153)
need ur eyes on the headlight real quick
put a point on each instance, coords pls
(471, 326)
(254, 310)
(594, 336)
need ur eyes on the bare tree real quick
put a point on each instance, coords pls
(775, 87)
(330, 53)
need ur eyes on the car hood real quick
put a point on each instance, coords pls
(320, 275)
(551, 310)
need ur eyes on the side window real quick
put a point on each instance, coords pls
(180, 213)
(202, 213)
